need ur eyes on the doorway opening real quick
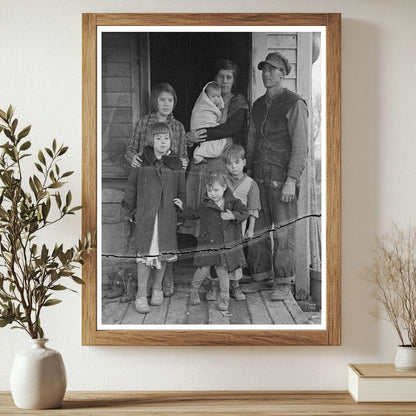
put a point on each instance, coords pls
(186, 60)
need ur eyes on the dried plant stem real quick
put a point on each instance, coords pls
(393, 276)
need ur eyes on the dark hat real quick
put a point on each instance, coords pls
(277, 60)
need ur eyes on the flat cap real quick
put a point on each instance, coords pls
(277, 60)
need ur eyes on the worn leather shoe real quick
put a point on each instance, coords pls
(281, 292)
(141, 305)
(223, 305)
(237, 294)
(254, 287)
(157, 297)
(194, 297)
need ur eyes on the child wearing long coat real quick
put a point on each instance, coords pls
(149, 193)
(220, 238)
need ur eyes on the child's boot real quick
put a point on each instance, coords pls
(235, 291)
(157, 297)
(194, 297)
(141, 305)
(223, 305)
(168, 285)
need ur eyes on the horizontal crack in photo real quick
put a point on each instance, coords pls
(219, 249)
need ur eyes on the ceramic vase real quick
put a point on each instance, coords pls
(405, 358)
(38, 377)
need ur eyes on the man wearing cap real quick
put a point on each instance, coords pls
(276, 154)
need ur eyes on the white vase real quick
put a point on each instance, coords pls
(405, 358)
(38, 377)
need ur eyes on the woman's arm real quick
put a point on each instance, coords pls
(231, 127)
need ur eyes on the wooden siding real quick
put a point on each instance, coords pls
(118, 106)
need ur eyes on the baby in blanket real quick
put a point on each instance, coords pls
(207, 113)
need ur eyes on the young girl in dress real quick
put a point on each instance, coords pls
(219, 242)
(149, 194)
(162, 102)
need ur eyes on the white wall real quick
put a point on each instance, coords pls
(40, 73)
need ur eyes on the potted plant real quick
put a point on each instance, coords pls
(31, 272)
(393, 277)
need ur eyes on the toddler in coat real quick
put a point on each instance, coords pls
(219, 242)
(150, 191)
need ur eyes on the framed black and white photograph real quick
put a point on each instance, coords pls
(211, 172)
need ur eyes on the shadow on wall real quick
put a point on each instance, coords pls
(361, 53)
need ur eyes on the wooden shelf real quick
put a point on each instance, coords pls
(178, 403)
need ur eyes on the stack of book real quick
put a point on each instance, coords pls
(381, 383)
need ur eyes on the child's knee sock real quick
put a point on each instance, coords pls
(143, 272)
(168, 276)
(224, 280)
(200, 274)
(158, 276)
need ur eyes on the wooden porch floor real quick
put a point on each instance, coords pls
(257, 309)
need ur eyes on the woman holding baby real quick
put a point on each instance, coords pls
(232, 125)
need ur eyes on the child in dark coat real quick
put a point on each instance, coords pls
(220, 239)
(150, 192)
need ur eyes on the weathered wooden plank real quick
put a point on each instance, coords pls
(239, 312)
(116, 145)
(215, 316)
(178, 308)
(157, 314)
(112, 195)
(280, 40)
(277, 310)
(116, 115)
(132, 317)
(116, 54)
(116, 99)
(113, 311)
(198, 314)
(117, 130)
(136, 80)
(290, 84)
(114, 84)
(297, 314)
(290, 54)
(116, 39)
(258, 311)
(293, 72)
(117, 69)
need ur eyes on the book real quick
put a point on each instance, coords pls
(381, 383)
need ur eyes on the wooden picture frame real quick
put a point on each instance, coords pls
(330, 334)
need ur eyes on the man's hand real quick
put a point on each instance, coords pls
(136, 161)
(227, 215)
(288, 191)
